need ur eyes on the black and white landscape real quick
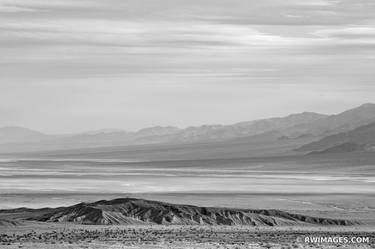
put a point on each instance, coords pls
(187, 124)
(303, 171)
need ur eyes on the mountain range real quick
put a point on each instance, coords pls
(132, 211)
(361, 138)
(302, 132)
(20, 135)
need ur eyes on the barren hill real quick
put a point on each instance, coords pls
(139, 211)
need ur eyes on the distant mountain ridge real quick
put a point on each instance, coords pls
(361, 138)
(159, 134)
(131, 211)
(14, 134)
(345, 121)
(302, 128)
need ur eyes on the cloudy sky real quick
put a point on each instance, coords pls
(74, 65)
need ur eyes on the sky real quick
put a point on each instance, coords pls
(77, 65)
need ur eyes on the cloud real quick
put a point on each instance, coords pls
(163, 54)
(297, 13)
(351, 32)
(140, 34)
(37, 4)
(353, 35)
(11, 9)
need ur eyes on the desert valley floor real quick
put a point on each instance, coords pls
(327, 187)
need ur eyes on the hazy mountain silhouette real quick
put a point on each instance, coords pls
(361, 138)
(14, 134)
(303, 128)
(341, 122)
(172, 134)
(156, 135)
(246, 129)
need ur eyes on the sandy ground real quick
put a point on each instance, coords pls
(177, 245)
(64, 236)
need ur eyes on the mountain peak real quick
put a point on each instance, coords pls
(313, 115)
(367, 105)
(363, 108)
